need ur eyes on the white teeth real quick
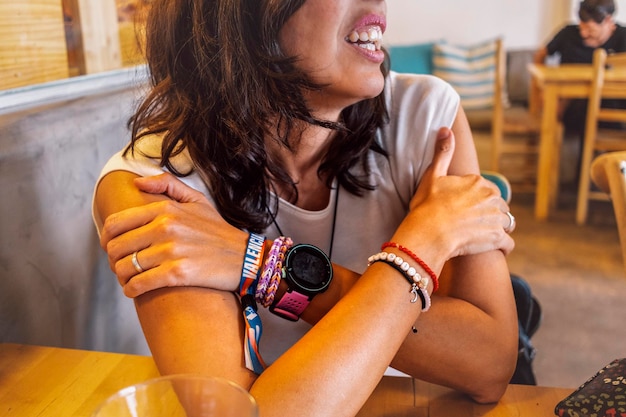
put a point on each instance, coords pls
(368, 46)
(373, 34)
(354, 37)
(371, 39)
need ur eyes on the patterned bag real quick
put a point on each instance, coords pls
(603, 395)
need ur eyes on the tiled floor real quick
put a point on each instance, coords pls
(578, 276)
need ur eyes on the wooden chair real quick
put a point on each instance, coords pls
(501, 182)
(608, 172)
(599, 138)
(514, 133)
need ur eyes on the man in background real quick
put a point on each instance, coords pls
(575, 44)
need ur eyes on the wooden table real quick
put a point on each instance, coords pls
(52, 382)
(549, 84)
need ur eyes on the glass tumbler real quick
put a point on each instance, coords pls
(180, 395)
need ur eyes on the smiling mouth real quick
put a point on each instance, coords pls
(370, 38)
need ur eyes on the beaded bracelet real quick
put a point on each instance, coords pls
(417, 259)
(272, 271)
(418, 283)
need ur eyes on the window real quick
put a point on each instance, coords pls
(47, 40)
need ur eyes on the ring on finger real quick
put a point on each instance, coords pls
(136, 263)
(509, 228)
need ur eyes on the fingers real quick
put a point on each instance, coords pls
(138, 228)
(136, 263)
(126, 274)
(171, 186)
(510, 224)
(139, 273)
(131, 266)
(444, 150)
(128, 220)
(505, 242)
(507, 245)
(172, 266)
(135, 217)
(468, 209)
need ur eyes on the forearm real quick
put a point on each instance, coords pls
(360, 322)
(468, 340)
(198, 330)
(195, 330)
(355, 341)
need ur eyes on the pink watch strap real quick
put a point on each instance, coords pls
(291, 305)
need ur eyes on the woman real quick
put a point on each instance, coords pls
(291, 99)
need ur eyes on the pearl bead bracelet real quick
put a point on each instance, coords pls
(418, 282)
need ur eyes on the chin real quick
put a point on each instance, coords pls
(592, 44)
(372, 85)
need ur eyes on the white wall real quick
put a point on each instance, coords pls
(522, 23)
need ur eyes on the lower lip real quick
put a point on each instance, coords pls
(375, 56)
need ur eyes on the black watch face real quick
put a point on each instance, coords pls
(309, 268)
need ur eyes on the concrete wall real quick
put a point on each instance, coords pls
(55, 284)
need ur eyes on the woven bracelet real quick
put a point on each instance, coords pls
(268, 268)
(252, 260)
(417, 259)
(272, 271)
(253, 327)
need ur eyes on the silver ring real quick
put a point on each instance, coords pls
(136, 264)
(511, 225)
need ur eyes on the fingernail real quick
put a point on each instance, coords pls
(443, 134)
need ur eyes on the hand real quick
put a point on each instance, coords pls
(464, 214)
(181, 241)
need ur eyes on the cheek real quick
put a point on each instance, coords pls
(314, 48)
(320, 62)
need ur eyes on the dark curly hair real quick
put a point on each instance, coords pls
(218, 77)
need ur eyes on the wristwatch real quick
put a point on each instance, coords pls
(307, 272)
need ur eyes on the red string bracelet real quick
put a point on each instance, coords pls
(417, 259)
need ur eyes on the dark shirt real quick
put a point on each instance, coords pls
(569, 44)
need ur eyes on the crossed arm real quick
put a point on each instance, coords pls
(467, 340)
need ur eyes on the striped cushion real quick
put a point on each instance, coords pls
(471, 70)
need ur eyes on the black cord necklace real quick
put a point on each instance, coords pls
(332, 233)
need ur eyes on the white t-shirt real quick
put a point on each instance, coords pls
(419, 105)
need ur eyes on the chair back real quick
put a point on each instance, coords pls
(514, 131)
(605, 128)
(608, 172)
(607, 84)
